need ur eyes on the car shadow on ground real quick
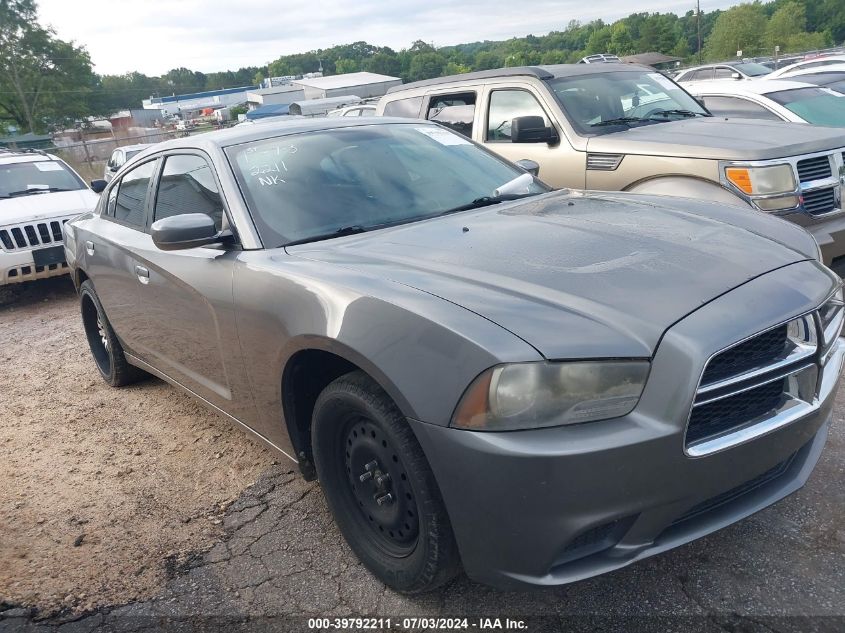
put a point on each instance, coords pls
(29, 293)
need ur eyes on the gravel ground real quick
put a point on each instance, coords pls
(139, 462)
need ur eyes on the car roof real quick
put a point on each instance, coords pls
(8, 156)
(812, 60)
(138, 146)
(818, 70)
(541, 72)
(244, 134)
(732, 86)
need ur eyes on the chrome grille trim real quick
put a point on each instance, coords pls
(809, 371)
(29, 235)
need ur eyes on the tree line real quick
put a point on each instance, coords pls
(47, 83)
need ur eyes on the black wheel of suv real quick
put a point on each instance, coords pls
(380, 488)
(105, 348)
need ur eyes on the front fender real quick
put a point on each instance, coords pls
(687, 187)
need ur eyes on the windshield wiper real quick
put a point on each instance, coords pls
(486, 201)
(623, 120)
(26, 192)
(684, 113)
(353, 229)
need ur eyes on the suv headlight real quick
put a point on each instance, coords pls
(832, 315)
(765, 181)
(535, 395)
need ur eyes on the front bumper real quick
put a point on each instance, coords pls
(828, 232)
(553, 506)
(18, 266)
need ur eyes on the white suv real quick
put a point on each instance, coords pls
(38, 194)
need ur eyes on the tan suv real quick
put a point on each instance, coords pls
(627, 127)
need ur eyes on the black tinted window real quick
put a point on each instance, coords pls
(408, 108)
(187, 185)
(723, 72)
(132, 194)
(732, 107)
(455, 111)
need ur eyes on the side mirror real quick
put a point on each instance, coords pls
(736, 76)
(532, 129)
(97, 186)
(113, 168)
(531, 166)
(184, 231)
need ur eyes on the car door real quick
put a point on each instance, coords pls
(188, 330)
(560, 164)
(110, 246)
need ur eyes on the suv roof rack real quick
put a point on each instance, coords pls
(24, 150)
(516, 71)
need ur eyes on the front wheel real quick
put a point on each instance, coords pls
(380, 488)
(105, 347)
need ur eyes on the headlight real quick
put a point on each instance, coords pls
(535, 395)
(832, 315)
(760, 181)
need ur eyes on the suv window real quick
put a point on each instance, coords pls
(187, 185)
(506, 105)
(30, 177)
(455, 111)
(408, 108)
(132, 193)
(738, 108)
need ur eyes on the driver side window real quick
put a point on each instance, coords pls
(505, 106)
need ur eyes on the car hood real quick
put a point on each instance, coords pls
(42, 206)
(577, 275)
(720, 139)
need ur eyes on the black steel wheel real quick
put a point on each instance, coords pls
(380, 488)
(105, 347)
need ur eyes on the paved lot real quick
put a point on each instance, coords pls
(278, 557)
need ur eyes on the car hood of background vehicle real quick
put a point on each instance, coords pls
(40, 206)
(720, 139)
(575, 275)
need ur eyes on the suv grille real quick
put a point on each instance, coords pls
(814, 168)
(820, 201)
(26, 236)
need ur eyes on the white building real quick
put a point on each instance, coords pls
(191, 103)
(362, 85)
(274, 96)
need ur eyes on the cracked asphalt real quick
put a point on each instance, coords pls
(280, 560)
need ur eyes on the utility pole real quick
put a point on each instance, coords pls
(698, 23)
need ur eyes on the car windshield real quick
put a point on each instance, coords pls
(820, 106)
(316, 185)
(752, 69)
(830, 80)
(609, 101)
(36, 177)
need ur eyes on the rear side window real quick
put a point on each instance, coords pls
(187, 185)
(407, 108)
(505, 106)
(455, 111)
(732, 107)
(132, 195)
(723, 72)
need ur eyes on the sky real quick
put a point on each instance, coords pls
(153, 36)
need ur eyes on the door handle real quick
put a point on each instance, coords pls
(143, 274)
(89, 247)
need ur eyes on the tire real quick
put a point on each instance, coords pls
(10, 293)
(105, 347)
(358, 433)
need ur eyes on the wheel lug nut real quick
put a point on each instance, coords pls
(371, 466)
(381, 480)
(367, 475)
(388, 498)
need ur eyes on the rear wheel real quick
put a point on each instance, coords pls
(105, 348)
(380, 488)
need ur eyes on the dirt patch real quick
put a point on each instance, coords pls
(103, 490)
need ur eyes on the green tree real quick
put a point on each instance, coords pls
(426, 66)
(384, 62)
(740, 28)
(621, 42)
(343, 66)
(789, 20)
(486, 60)
(43, 80)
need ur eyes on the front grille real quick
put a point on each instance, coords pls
(26, 236)
(735, 493)
(759, 350)
(717, 417)
(770, 377)
(820, 201)
(814, 168)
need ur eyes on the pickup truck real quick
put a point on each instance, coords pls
(626, 127)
